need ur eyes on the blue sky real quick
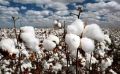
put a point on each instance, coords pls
(42, 13)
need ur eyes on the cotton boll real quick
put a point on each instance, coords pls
(106, 63)
(48, 44)
(59, 25)
(107, 39)
(53, 38)
(57, 67)
(73, 41)
(76, 27)
(8, 45)
(101, 53)
(87, 45)
(25, 53)
(47, 65)
(26, 36)
(28, 29)
(94, 32)
(72, 29)
(91, 59)
(26, 65)
(55, 22)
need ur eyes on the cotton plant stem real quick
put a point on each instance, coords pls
(77, 61)
(90, 61)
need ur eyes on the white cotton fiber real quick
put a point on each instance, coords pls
(87, 45)
(59, 25)
(28, 37)
(107, 39)
(48, 44)
(76, 27)
(90, 59)
(8, 45)
(72, 40)
(106, 63)
(27, 29)
(54, 38)
(94, 32)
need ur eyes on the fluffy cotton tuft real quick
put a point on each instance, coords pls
(27, 29)
(54, 38)
(94, 32)
(76, 27)
(73, 41)
(106, 63)
(8, 45)
(28, 37)
(107, 39)
(87, 45)
(48, 44)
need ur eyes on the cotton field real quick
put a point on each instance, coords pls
(78, 48)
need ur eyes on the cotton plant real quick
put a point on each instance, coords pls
(80, 35)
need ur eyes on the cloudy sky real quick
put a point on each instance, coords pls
(42, 13)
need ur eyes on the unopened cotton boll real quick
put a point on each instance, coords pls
(48, 44)
(76, 27)
(54, 38)
(94, 32)
(87, 45)
(73, 41)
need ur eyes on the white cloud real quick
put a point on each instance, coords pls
(58, 6)
(9, 10)
(4, 2)
(23, 7)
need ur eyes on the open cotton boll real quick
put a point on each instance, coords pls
(72, 40)
(26, 65)
(54, 38)
(55, 22)
(106, 63)
(57, 67)
(59, 25)
(94, 32)
(107, 39)
(30, 41)
(48, 44)
(91, 58)
(27, 29)
(26, 36)
(76, 27)
(87, 45)
(8, 45)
